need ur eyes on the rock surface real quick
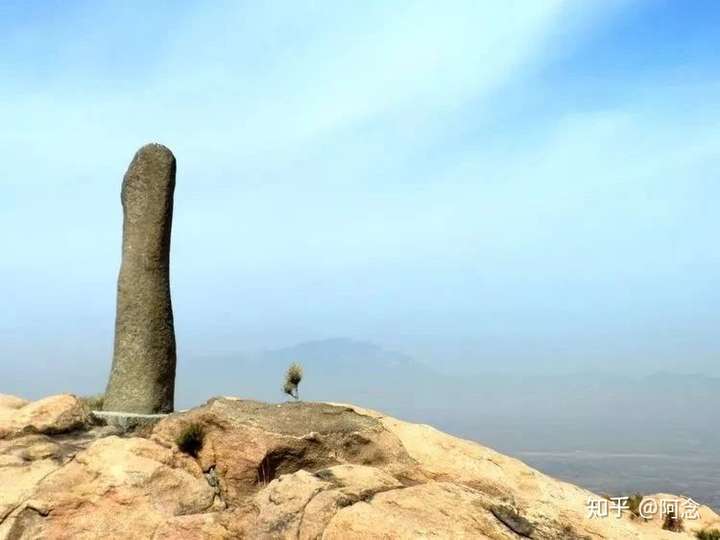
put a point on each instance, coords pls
(54, 414)
(142, 378)
(296, 470)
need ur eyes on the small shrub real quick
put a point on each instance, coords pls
(191, 439)
(94, 403)
(672, 522)
(708, 534)
(633, 503)
(293, 376)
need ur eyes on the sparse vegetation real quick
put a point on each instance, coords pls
(94, 402)
(633, 503)
(672, 522)
(708, 534)
(293, 376)
(190, 439)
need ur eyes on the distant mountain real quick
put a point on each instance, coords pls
(340, 353)
(336, 369)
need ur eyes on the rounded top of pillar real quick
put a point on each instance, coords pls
(155, 151)
(153, 164)
(148, 185)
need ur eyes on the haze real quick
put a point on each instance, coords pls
(524, 187)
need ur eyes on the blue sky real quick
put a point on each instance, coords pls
(527, 186)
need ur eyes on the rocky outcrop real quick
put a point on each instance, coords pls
(295, 470)
(55, 414)
(115, 488)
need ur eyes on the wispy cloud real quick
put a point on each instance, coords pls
(420, 173)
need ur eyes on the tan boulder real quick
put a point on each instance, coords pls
(205, 526)
(24, 463)
(11, 402)
(296, 470)
(116, 488)
(54, 414)
(431, 510)
(300, 505)
(248, 444)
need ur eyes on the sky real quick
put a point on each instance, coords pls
(527, 187)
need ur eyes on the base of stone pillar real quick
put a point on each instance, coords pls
(126, 421)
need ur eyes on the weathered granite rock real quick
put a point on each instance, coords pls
(297, 470)
(301, 505)
(249, 443)
(11, 402)
(54, 414)
(142, 379)
(124, 488)
(331, 471)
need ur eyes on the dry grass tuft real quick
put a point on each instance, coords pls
(293, 376)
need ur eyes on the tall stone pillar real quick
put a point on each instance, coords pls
(142, 379)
